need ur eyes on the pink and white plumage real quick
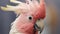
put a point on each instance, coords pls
(29, 12)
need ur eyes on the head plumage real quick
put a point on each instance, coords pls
(25, 7)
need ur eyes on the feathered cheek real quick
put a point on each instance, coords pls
(25, 28)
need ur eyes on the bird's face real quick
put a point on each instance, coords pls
(30, 12)
(26, 23)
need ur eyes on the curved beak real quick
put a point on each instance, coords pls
(39, 25)
(38, 28)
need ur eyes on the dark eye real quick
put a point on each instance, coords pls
(30, 18)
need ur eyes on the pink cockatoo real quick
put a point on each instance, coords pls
(30, 13)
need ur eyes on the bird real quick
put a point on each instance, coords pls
(30, 16)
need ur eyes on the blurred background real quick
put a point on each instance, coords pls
(51, 22)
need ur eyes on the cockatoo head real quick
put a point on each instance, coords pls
(30, 12)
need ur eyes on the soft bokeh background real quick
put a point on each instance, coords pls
(6, 18)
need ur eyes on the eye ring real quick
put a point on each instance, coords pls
(30, 18)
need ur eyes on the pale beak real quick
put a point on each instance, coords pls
(39, 26)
